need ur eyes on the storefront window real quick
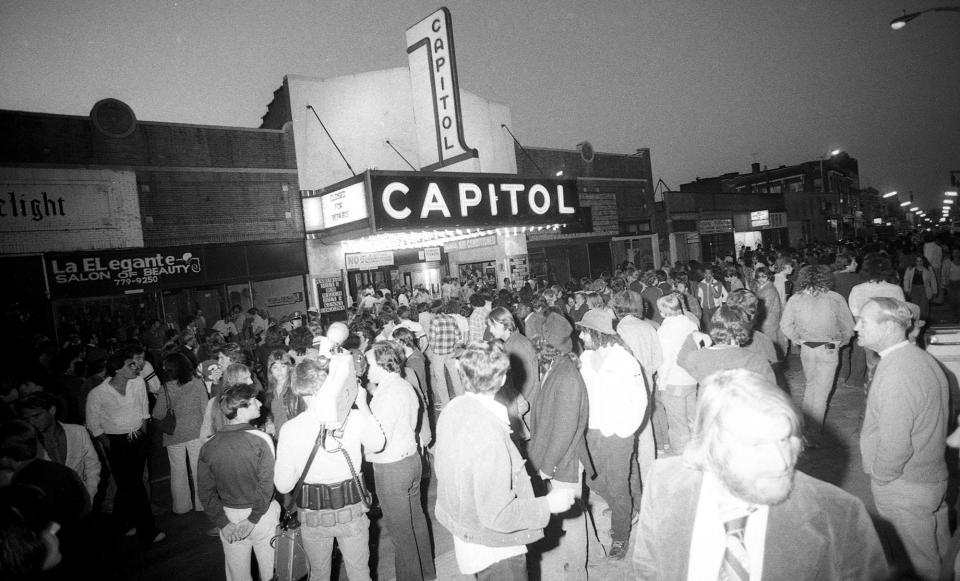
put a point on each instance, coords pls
(482, 269)
(113, 319)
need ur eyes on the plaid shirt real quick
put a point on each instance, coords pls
(444, 334)
(478, 323)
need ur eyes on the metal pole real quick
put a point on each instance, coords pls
(330, 137)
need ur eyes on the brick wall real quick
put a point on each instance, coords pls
(202, 207)
(197, 184)
(603, 208)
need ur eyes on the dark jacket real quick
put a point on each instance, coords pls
(235, 469)
(558, 423)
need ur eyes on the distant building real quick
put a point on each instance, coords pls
(107, 221)
(617, 191)
(801, 207)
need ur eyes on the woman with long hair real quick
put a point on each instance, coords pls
(920, 284)
(301, 345)
(523, 377)
(397, 469)
(284, 404)
(185, 396)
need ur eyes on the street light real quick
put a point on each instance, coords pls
(901, 21)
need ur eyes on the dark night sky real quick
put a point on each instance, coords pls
(709, 87)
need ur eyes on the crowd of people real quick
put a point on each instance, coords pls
(528, 404)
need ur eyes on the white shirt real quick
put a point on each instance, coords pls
(709, 540)
(147, 379)
(893, 348)
(108, 412)
(225, 328)
(297, 437)
(414, 327)
(673, 332)
(396, 406)
(616, 390)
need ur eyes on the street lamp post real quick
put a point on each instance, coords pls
(901, 21)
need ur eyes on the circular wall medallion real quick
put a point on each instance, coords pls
(586, 151)
(113, 118)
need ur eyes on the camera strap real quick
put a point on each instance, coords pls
(336, 435)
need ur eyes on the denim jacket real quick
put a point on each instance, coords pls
(484, 495)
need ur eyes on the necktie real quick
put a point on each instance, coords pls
(736, 565)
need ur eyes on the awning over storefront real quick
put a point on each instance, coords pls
(114, 272)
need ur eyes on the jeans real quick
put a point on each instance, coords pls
(918, 512)
(398, 488)
(613, 460)
(236, 556)
(178, 454)
(438, 381)
(512, 569)
(131, 505)
(705, 317)
(680, 402)
(568, 559)
(352, 538)
(819, 369)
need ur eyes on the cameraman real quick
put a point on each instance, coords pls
(331, 503)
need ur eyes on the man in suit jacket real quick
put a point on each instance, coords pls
(734, 502)
(67, 444)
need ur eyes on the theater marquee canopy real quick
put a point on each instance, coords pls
(382, 202)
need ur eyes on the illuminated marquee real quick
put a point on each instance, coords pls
(404, 201)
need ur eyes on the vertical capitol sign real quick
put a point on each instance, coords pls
(436, 92)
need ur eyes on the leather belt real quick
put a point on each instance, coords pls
(815, 344)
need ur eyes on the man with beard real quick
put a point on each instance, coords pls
(734, 506)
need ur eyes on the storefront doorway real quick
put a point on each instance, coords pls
(357, 279)
(416, 275)
(753, 240)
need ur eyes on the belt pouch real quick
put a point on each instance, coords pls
(345, 515)
(337, 497)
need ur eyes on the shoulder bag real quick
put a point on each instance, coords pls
(168, 423)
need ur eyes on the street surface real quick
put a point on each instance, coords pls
(188, 554)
